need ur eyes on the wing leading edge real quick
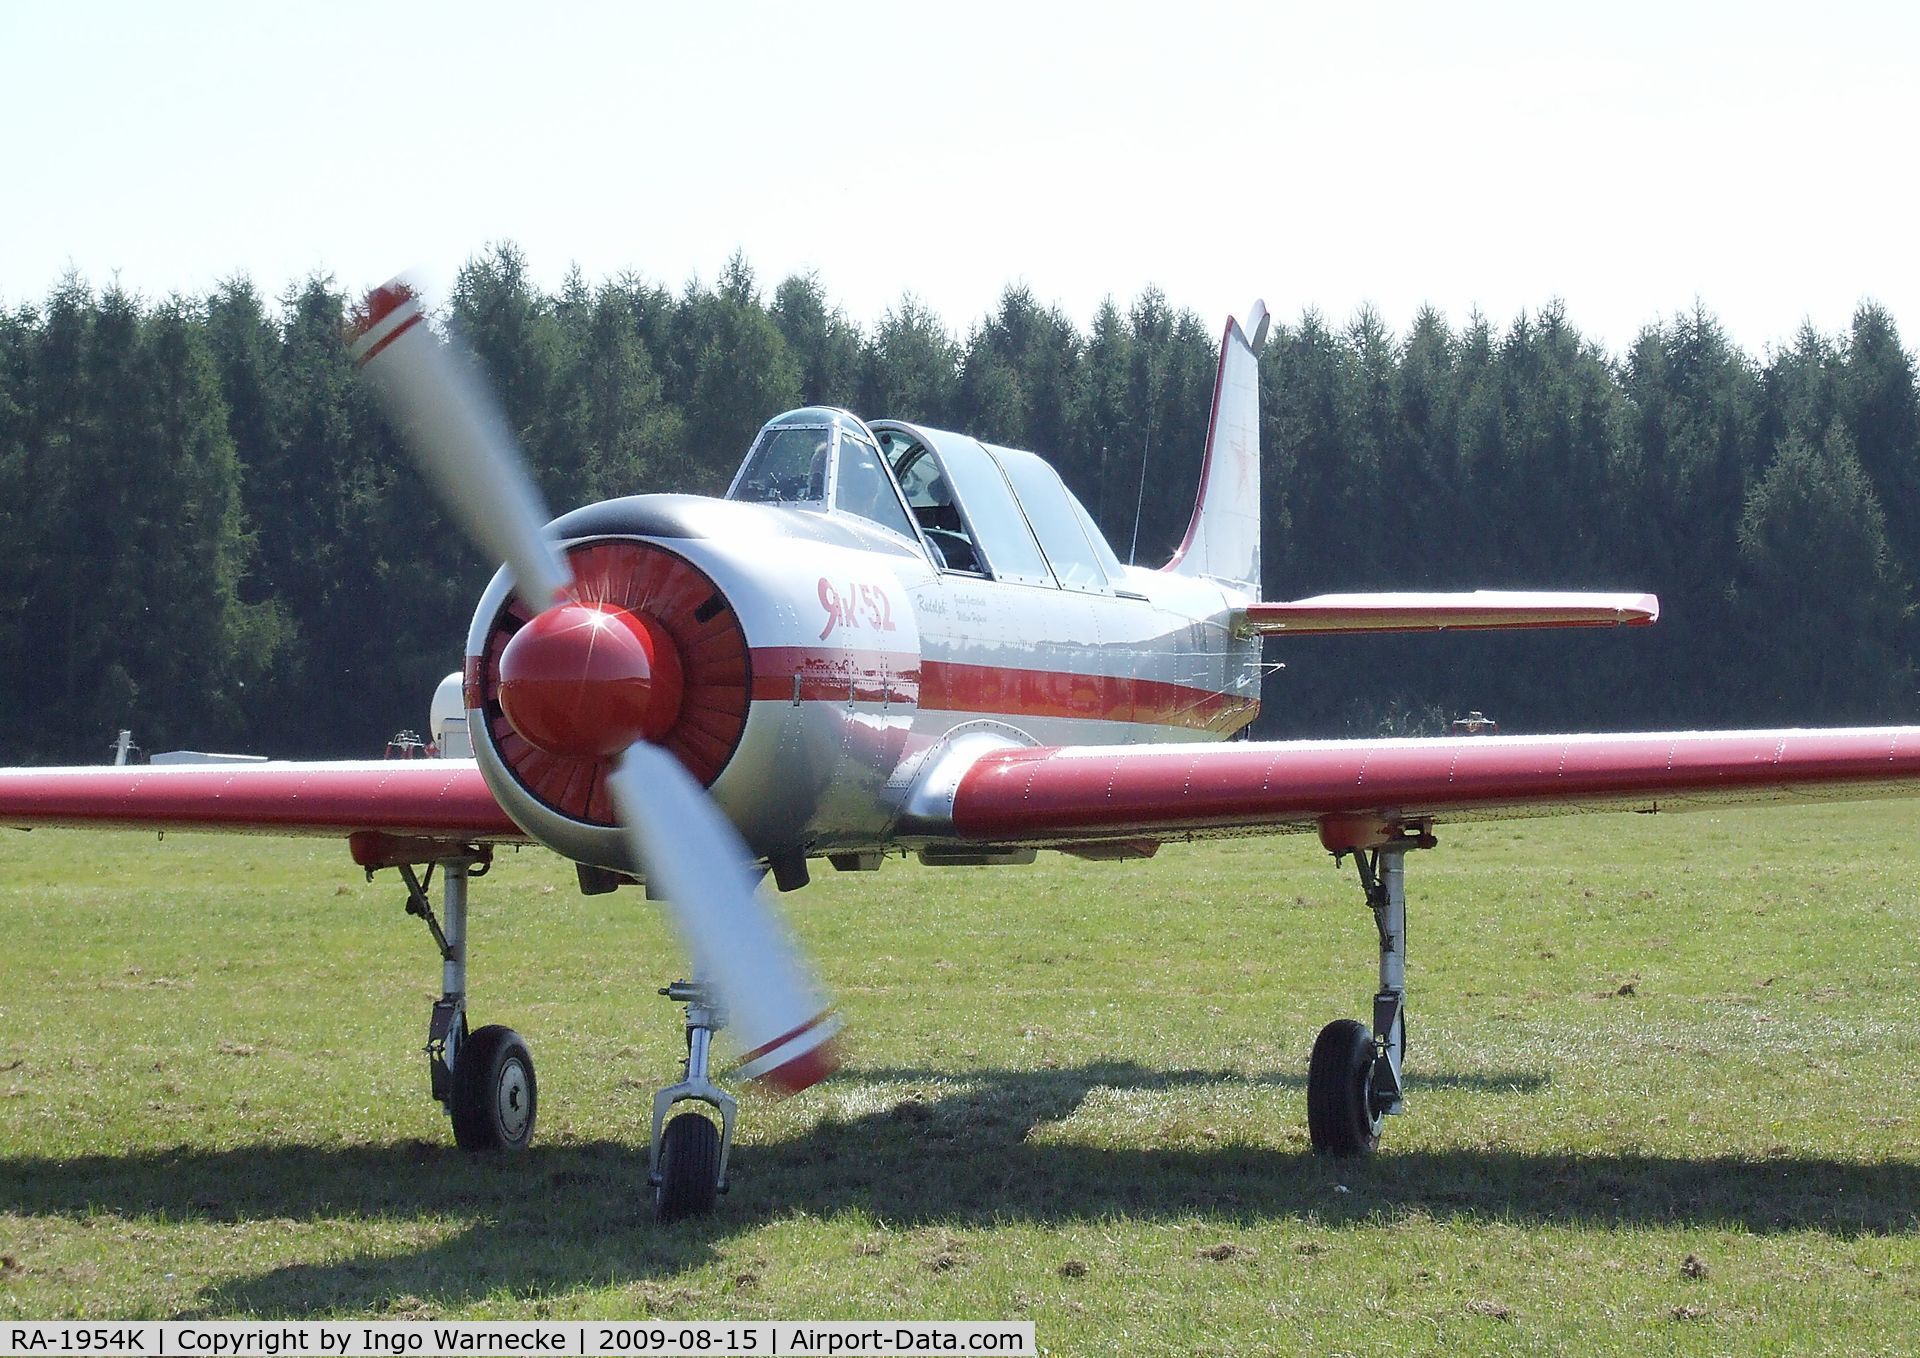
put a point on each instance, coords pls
(1081, 793)
(437, 799)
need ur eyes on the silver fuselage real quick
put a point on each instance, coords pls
(868, 664)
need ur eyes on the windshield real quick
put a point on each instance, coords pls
(788, 465)
(821, 459)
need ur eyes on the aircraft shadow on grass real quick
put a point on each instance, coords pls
(572, 1216)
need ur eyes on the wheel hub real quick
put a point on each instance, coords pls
(513, 1105)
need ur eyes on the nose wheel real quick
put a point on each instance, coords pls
(689, 1172)
(687, 1167)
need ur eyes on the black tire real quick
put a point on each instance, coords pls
(1341, 1119)
(495, 1096)
(689, 1168)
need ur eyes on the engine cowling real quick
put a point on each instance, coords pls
(638, 585)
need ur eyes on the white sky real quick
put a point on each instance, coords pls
(1628, 157)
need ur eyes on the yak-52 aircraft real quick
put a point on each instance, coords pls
(888, 638)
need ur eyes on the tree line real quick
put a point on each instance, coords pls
(208, 534)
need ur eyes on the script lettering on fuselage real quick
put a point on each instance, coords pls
(969, 608)
(862, 606)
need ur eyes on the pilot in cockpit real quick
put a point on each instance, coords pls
(817, 472)
(862, 487)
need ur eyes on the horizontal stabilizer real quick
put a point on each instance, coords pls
(1481, 610)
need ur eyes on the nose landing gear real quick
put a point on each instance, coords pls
(688, 1163)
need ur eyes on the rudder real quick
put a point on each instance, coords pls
(1223, 538)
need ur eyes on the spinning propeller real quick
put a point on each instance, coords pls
(594, 680)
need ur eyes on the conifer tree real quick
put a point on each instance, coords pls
(911, 367)
(1824, 614)
(823, 342)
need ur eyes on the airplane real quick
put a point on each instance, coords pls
(890, 639)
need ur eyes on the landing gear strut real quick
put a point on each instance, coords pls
(688, 1163)
(1354, 1078)
(483, 1078)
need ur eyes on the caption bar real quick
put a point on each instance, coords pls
(388, 1339)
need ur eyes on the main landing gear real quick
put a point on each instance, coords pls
(483, 1077)
(1354, 1077)
(687, 1166)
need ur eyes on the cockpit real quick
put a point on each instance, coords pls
(975, 508)
(819, 458)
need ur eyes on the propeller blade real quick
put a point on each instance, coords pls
(694, 859)
(460, 441)
(691, 853)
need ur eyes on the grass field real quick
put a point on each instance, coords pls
(1659, 1068)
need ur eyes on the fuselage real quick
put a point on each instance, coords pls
(850, 656)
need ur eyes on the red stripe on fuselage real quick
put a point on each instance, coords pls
(1104, 697)
(951, 686)
(830, 675)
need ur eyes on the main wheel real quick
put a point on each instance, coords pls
(689, 1168)
(494, 1093)
(1341, 1118)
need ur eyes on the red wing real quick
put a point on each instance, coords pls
(440, 799)
(1083, 793)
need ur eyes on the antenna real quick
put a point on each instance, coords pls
(1154, 383)
(1133, 548)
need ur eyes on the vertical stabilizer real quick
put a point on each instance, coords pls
(1223, 540)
